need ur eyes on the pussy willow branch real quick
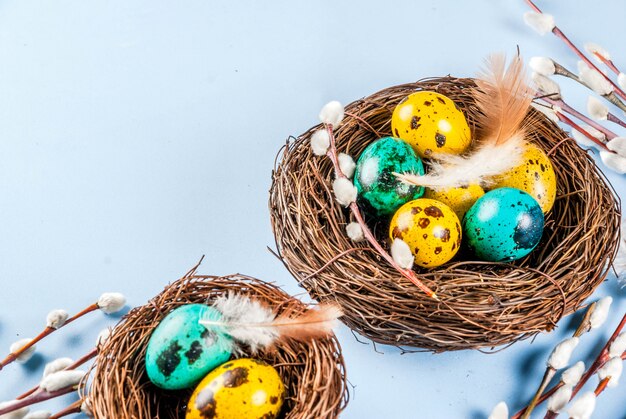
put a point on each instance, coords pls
(47, 331)
(367, 233)
(563, 118)
(583, 327)
(37, 397)
(73, 366)
(567, 108)
(559, 34)
(602, 358)
(73, 408)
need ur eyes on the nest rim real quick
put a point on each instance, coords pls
(483, 304)
(313, 372)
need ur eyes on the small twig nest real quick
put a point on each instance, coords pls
(313, 372)
(483, 304)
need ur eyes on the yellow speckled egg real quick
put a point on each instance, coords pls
(239, 389)
(431, 123)
(458, 199)
(430, 228)
(534, 175)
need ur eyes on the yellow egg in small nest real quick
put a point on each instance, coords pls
(243, 388)
(459, 199)
(535, 176)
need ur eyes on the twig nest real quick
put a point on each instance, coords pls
(481, 304)
(313, 372)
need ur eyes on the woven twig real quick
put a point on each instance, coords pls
(313, 372)
(483, 304)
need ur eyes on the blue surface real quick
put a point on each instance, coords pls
(137, 136)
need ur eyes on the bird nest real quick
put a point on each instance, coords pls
(481, 304)
(313, 372)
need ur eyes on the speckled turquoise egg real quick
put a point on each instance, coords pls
(504, 224)
(181, 351)
(374, 176)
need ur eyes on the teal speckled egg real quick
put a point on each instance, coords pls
(504, 224)
(181, 351)
(382, 192)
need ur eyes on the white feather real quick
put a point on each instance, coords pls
(612, 369)
(479, 167)
(618, 347)
(613, 161)
(355, 232)
(540, 22)
(320, 141)
(345, 191)
(601, 312)
(346, 164)
(243, 316)
(573, 374)
(542, 65)
(559, 399)
(594, 80)
(559, 358)
(597, 109)
(621, 80)
(594, 49)
(332, 113)
(546, 85)
(401, 254)
(501, 411)
(27, 354)
(618, 144)
(582, 408)
(56, 318)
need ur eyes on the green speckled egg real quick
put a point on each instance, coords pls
(181, 351)
(378, 188)
(504, 224)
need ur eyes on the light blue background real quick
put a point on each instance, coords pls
(136, 136)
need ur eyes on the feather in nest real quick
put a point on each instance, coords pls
(503, 98)
(255, 325)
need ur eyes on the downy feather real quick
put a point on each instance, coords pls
(257, 326)
(504, 99)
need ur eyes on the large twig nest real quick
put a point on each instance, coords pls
(313, 372)
(482, 304)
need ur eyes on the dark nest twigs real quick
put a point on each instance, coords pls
(313, 372)
(482, 304)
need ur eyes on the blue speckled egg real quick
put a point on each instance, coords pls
(374, 176)
(504, 224)
(181, 351)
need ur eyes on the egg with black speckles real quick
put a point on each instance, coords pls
(534, 175)
(378, 188)
(181, 351)
(505, 224)
(431, 123)
(242, 388)
(430, 228)
(459, 199)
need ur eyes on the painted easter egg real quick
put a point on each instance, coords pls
(431, 123)
(243, 388)
(459, 199)
(430, 228)
(534, 175)
(504, 224)
(181, 350)
(374, 176)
